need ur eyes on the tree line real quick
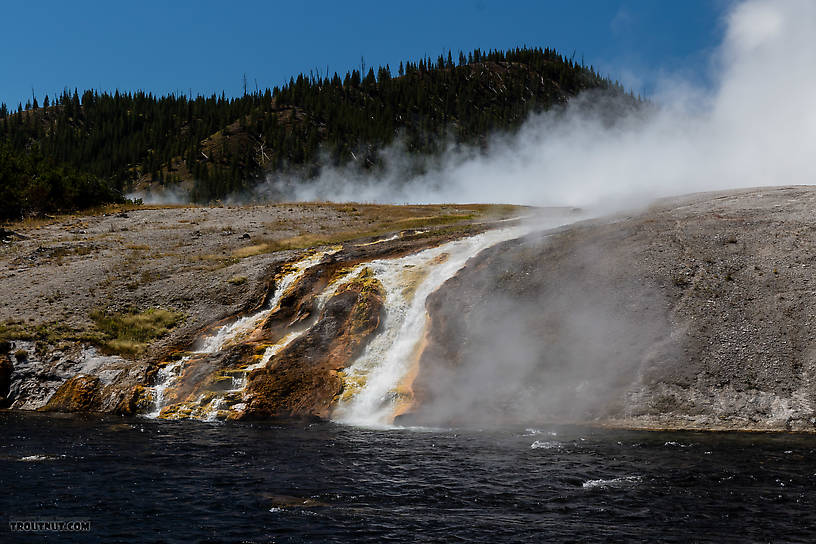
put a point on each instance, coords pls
(76, 150)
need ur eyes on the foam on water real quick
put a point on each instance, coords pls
(673, 444)
(623, 481)
(36, 458)
(533, 432)
(402, 486)
(545, 445)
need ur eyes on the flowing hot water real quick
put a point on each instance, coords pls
(169, 374)
(378, 383)
(373, 382)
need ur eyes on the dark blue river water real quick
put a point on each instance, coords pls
(149, 481)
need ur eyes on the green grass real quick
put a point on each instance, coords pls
(130, 333)
(14, 330)
(44, 334)
(127, 333)
(237, 280)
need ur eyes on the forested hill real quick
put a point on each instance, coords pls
(76, 150)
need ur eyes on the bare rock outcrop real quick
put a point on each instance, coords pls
(56, 274)
(698, 313)
(302, 380)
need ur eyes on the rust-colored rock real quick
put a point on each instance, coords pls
(299, 303)
(302, 380)
(209, 385)
(133, 401)
(77, 394)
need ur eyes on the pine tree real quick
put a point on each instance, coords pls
(121, 137)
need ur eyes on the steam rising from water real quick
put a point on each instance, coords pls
(757, 126)
(576, 344)
(408, 281)
(532, 335)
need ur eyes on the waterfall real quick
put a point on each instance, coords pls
(228, 334)
(239, 376)
(372, 384)
(245, 325)
(378, 383)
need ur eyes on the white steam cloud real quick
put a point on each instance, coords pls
(571, 330)
(755, 127)
(161, 195)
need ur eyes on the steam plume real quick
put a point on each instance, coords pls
(756, 126)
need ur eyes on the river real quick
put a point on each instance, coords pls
(179, 481)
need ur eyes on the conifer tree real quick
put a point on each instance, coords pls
(136, 138)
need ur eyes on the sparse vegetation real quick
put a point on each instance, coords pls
(250, 251)
(379, 220)
(43, 334)
(125, 270)
(12, 330)
(432, 221)
(129, 333)
(123, 333)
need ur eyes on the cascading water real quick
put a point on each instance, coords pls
(372, 383)
(245, 325)
(239, 377)
(377, 386)
(169, 374)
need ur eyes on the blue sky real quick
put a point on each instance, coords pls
(205, 46)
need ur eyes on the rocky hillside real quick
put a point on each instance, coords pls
(95, 304)
(697, 313)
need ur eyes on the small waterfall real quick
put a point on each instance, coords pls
(245, 325)
(169, 374)
(378, 384)
(373, 382)
(166, 375)
(239, 376)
